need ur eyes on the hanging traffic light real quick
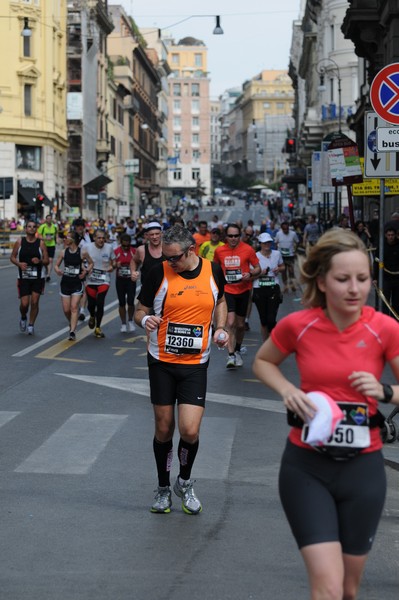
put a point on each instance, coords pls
(40, 198)
(290, 145)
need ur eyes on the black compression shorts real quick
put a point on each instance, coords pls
(238, 303)
(125, 290)
(182, 383)
(332, 501)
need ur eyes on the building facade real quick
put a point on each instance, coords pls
(189, 151)
(33, 134)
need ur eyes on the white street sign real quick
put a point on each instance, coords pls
(388, 139)
(378, 164)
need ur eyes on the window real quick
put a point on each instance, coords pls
(28, 157)
(177, 174)
(177, 122)
(175, 59)
(195, 106)
(177, 89)
(176, 105)
(177, 138)
(112, 145)
(280, 105)
(26, 44)
(198, 60)
(195, 174)
(195, 138)
(195, 121)
(27, 100)
(196, 154)
(266, 105)
(195, 89)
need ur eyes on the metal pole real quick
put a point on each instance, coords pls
(381, 242)
(339, 100)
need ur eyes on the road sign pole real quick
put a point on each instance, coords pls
(350, 206)
(381, 242)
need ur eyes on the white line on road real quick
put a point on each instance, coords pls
(53, 336)
(74, 447)
(6, 416)
(142, 388)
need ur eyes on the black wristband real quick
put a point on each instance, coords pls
(388, 393)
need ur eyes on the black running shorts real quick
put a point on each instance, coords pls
(182, 383)
(332, 501)
(238, 303)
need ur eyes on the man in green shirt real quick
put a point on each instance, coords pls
(48, 232)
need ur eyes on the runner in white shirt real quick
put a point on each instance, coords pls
(287, 241)
(266, 285)
(98, 282)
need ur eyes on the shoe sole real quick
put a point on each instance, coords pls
(91, 324)
(231, 367)
(160, 512)
(191, 512)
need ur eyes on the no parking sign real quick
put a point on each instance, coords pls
(384, 93)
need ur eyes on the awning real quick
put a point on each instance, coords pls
(27, 192)
(97, 184)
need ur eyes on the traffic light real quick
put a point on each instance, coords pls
(40, 198)
(290, 145)
(291, 207)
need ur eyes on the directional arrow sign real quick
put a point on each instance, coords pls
(377, 164)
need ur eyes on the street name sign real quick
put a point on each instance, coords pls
(378, 164)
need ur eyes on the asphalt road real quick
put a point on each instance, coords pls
(77, 476)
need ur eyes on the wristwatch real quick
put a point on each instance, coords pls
(388, 393)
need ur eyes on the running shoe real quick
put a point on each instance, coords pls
(31, 330)
(98, 333)
(162, 500)
(123, 328)
(231, 361)
(81, 316)
(22, 325)
(132, 326)
(92, 322)
(190, 503)
(238, 357)
(72, 336)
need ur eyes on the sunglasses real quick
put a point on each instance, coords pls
(233, 235)
(176, 258)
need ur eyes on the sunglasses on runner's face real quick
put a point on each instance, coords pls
(176, 258)
(233, 235)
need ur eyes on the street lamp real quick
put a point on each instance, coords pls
(322, 69)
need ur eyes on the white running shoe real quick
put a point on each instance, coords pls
(231, 361)
(123, 328)
(238, 357)
(132, 326)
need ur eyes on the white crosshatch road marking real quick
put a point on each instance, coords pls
(75, 446)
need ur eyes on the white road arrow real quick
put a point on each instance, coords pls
(142, 388)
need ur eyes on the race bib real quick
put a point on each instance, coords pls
(184, 339)
(30, 273)
(266, 281)
(98, 275)
(353, 432)
(233, 275)
(49, 236)
(71, 271)
(124, 272)
(285, 251)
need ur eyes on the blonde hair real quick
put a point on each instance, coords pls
(318, 262)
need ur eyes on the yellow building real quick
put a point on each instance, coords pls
(33, 133)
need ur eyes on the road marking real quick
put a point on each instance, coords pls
(60, 347)
(75, 446)
(142, 388)
(57, 334)
(6, 416)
